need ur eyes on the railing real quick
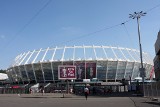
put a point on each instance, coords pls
(152, 90)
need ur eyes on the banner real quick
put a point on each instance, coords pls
(90, 70)
(66, 72)
(80, 70)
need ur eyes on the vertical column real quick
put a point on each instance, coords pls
(116, 71)
(34, 73)
(26, 73)
(52, 70)
(52, 63)
(96, 68)
(20, 74)
(125, 69)
(16, 75)
(133, 70)
(107, 71)
(43, 72)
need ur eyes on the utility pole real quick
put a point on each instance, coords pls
(138, 15)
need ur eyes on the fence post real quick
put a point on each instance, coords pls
(156, 90)
(152, 90)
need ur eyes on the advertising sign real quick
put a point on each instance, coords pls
(80, 70)
(90, 70)
(66, 72)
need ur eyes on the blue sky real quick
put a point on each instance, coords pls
(32, 24)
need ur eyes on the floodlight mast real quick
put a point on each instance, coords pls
(138, 15)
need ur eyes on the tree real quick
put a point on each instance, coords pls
(3, 71)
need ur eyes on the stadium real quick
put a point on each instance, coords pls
(105, 63)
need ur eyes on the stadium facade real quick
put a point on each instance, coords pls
(106, 63)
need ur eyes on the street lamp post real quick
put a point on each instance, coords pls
(138, 15)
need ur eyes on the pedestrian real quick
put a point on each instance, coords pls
(86, 92)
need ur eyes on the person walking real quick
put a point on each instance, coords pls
(86, 92)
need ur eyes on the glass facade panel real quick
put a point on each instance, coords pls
(18, 74)
(148, 69)
(47, 71)
(23, 73)
(101, 70)
(129, 70)
(12, 72)
(121, 70)
(9, 73)
(17, 71)
(136, 72)
(30, 72)
(38, 72)
(112, 67)
(55, 69)
(68, 63)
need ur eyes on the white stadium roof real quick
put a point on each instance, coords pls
(80, 53)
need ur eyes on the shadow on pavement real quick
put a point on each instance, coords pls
(153, 103)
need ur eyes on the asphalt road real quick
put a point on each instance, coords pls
(78, 101)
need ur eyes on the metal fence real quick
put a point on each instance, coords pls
(152, 90)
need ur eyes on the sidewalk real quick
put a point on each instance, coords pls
(145, 102)
(48, 95)
(134, 100)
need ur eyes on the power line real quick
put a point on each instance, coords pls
(153, 8)
(85, 35)
(28, 23)
(90, 34)
(126, 30)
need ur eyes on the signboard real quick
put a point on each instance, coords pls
(90, 70)
(80, 70)
(142, 72)
(66, 72)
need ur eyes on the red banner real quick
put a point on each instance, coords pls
(80, 70)
(66, 72)
(90, 70)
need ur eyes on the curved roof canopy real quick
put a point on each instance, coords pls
(80, 53)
